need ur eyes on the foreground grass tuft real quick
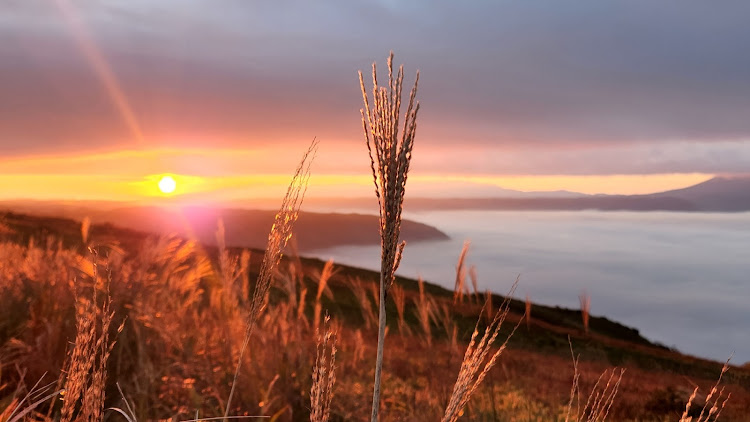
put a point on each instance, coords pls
(390, 158)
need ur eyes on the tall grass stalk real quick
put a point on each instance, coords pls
(585, 300)
(601, 397)
(399, 299)
(424, 312)
(389, 161)
(477, 360)
(281, 232)
(488, 304)
(86, 366)
(325, 274)
(357, 286)
(714, 403)
(232, 271)
(528, 312)
(18, 410)
(460, 286)
(574, 387)
(85, 227)
(324, 374)
(474, 283)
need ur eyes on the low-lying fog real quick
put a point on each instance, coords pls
(682, 279)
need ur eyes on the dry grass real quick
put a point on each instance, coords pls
(600, 399)
(477, 361)
(390, 158)
(359, 290)
(86, 367)
(488, 305)
(281, 232)
(233, 274)
(23, 408)
(399, 299)
(85, 226)
(460, 286)
(527, 304)
(425, 312)
(474, 284)
(173, 359)
(585, 300)
(714, 404)
(324, 375)
(322, 278)
(602, 396)
(445, 317)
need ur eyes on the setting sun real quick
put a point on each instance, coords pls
(167, 184)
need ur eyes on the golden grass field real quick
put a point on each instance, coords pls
(182, 312)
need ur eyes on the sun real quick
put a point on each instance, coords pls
(167, 184)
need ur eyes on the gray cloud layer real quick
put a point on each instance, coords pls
(533, 78)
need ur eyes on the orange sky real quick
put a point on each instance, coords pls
(223, 174)
(227, 101)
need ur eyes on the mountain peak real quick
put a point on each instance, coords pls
(721, 193)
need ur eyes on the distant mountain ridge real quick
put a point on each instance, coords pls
(243, 228)
(719, 194)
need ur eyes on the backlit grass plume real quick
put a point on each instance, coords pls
(585, 300)
(86, 366)
(478, 361)
(389, 159)
(714, 404)
(325, 274)
(324, 374)
(281, 232)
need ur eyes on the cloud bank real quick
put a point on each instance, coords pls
(537, 88)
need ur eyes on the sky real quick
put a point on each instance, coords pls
(99, 98)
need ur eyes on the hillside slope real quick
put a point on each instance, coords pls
(176, 335)
(244, 227)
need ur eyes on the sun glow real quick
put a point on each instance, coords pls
(167, 184)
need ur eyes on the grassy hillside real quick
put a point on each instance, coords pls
(180, 310)
(249, 226)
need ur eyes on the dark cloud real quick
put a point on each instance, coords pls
(541, 76)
